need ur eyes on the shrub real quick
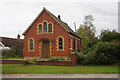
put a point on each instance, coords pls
(14, 52)
(89, 57)
(56, 59)
(80, 58)
(31, 61)
(100, 54)
(105, 53)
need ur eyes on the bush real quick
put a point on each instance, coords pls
(14, 52)
(56, 59)
(89, 57)
(31, 61)
(105, 53)
(80, 58)
(100, 54)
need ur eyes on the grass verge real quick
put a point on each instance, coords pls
(80, 69)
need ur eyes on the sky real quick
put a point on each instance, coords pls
(17, 15)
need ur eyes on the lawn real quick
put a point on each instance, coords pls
(80, 69)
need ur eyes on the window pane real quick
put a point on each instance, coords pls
(31, 44)
(60, 39)
(50, 27)
(40, 28)
(31, 48)
(45, 26)
(60, 43)
(60, 47)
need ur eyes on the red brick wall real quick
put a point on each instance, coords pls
(13, 61)
(58, 31)
(73, 62)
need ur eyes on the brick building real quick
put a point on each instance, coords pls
(49, 36)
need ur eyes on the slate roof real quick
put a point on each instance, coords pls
(63, 24)
(11, 41)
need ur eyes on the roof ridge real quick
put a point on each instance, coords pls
(66, 27)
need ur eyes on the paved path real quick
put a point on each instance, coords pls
(60, 75)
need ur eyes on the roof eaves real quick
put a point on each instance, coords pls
(55, 19)
(33, 22)
(75, 35)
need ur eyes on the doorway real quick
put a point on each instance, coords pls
(45, 49)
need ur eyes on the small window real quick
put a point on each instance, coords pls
(71, 42)
(76, 44)
(60, 43)
(50, 27)
(40, 28)
(45, 26)
(30, 44)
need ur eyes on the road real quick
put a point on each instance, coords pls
(60, 75)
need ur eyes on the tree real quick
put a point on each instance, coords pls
(87, 31)
(107, 35)
(81, 32)
(89, 26)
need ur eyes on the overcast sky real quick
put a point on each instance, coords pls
(17, 15)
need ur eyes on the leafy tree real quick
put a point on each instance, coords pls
(86, 31)
(89, 26)
(107, 35)
(81, 32)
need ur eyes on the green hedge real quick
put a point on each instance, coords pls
(100, 54)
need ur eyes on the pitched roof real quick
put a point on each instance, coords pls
(11, 41)
(63, 24)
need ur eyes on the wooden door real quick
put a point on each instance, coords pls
(45, 49)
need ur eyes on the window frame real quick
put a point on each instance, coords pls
(39, 28)
(42, 23)
(76, 44)
(51, 27)
(45, 26)
(29, 46)
(58, 44)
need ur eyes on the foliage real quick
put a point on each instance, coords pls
(74, 52)
(80, 58)
(87, 31)
(102, 50)
(14, 52)
(105, 53)
(81, 32)
(107, 35)
(92, 42)
(55, 59)
(101, 53)
(31, 61)
(89, 26)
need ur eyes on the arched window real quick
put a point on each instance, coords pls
(50, 27)
(45, 27)
(40, 28)
(30, 44)
(60, 43)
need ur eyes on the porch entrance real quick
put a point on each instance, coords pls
(45, 49)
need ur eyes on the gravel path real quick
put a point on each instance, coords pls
(60, 75)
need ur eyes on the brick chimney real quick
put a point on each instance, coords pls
(59, 17)
(18, 36)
